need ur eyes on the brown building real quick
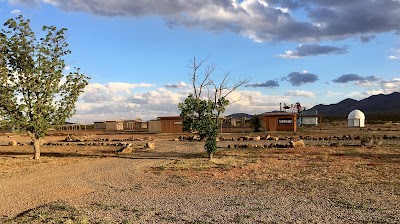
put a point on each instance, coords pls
(279, 121)
(172, 124)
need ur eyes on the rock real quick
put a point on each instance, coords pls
(378, 141)
(150, 145)
(336, 144)
(72, 138)
(257, 138)
(42, 142)
(12, 143)
(196, 138)
(367, 142)
(125, 149)
(297, 144)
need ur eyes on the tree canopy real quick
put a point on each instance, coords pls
(34, 91)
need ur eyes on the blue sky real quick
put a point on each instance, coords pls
(138, 53)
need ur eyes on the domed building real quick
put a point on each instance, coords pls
(356, 118)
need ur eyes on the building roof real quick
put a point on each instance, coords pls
(309, 113)
(277, 113)
(170, 118)
(240, 115)
(356, 114)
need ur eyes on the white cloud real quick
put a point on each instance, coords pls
(125, 87)
(16, 12)
(289, 54)
(255, 19)
(118, 100)
(300, 93)
(356, 95)
(332, 93)
(254, 102)
(374, 92)
(178, 85)
(395, 55)
(25, 2)
(99, 102)
(307, 50)
(391, 85)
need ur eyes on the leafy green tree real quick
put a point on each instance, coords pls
(34, 92)
(256, 123)
(201, 110)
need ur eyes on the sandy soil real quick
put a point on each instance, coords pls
(175, 183)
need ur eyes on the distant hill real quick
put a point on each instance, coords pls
(374, 105)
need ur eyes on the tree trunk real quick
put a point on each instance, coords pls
(36, 147)
(210, 156)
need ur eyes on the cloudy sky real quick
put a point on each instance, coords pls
(138, 53)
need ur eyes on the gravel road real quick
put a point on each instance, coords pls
(127, 189)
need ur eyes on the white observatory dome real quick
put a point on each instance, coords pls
(356, 118)
(356, 114)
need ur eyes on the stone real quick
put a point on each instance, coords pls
(72, 138)
(196, 138)
(335, 144)
(150, 145)
(378, 141)
(43, 142)
(125, 149)
(257, 138)
(367, 142)
(297, 144)
(12, 143)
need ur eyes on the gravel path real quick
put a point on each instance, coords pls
(20, 193)
(128, 190)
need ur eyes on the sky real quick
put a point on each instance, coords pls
(138, 53)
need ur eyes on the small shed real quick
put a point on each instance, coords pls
(308, 118)
(171, 124)
(279, 121)
(356, 118)
(98, 125)
(114, 125)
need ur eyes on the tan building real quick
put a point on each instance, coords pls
(279, 121)
(154, 126)
(135, 124)
(114, 125)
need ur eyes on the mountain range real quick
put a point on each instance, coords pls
(380, 104)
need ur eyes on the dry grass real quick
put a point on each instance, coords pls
(57, 212)
(339, 165)
(358, 184)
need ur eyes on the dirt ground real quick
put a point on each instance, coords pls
(175, 183)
